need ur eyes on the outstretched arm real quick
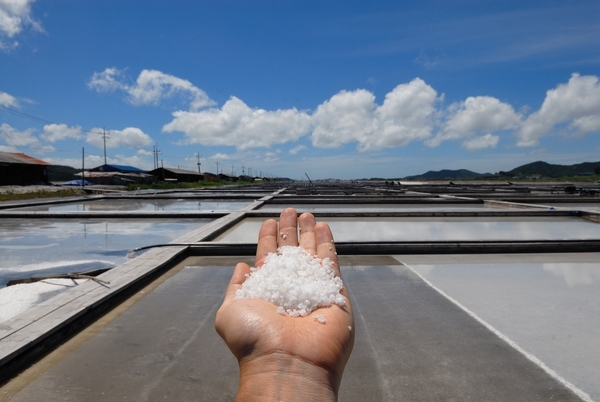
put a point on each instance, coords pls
(280, 357)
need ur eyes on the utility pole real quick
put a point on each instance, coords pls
(198, 156)
(243, 170)
(156, 152)
(232, 170)
(104, 138)
(82, 167)
(217, 167)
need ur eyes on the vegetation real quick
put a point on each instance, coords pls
(62, 173)
(544, 169)
(71, 192)
(446, 174)
(587, 172)
(40, 194)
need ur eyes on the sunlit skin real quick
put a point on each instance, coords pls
(280, 357)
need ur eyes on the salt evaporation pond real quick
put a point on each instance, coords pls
(48, 247)
(381, 207)
(153, 205)
(549, 305)
(440, 229)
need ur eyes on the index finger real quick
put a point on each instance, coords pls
(267, 241)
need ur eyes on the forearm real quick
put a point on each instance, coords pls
(280, 377)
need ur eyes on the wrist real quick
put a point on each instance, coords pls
(281, 377)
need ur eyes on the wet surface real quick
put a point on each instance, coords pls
(156, 205)
(411, 344)
(550, 308)
(593, 207)
(48, 247)
(438, 229)
(379, 207)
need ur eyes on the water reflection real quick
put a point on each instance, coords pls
(551, 310)
(380, 207)
(402, 229)
(157, 205)
(575, 274)
(76, 245)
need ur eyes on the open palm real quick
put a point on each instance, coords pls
(253, 329)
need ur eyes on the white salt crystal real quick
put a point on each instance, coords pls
(349, 328)
(320, 318)
(295, 281)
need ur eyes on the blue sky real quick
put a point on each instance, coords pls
(335, 89)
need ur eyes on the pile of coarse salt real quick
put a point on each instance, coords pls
(295, 281)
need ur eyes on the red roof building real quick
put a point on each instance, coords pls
(20, 169)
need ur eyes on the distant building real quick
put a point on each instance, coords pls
(211, 177)
(246, 178)
(178, 175)
(228, 177)
(117, 168)
(20, 169)
(116, 175)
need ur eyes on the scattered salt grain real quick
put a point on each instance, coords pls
(349, 328)
(320, 318)
(295, 281)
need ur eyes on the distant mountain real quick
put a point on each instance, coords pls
(550, 170)
(447, 174)
(541, 168)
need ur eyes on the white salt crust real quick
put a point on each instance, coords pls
(295, 281)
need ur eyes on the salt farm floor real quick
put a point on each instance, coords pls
(475, 326)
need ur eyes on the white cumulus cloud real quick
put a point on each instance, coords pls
(59, 132)
(481, 142)
(18, 138)
(15, 15)
(587, 124)
(8, 100)
(297, 149)
(576, 102)
(111, 79)
(15, 139)
(476, 115)
(346, 117)
(236, 124)
(151, 88)
(130, 137)
(220, 156)
(405, 115)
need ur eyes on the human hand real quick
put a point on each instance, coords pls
(280, 357)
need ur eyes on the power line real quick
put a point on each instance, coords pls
(40, 119)
(25, 115)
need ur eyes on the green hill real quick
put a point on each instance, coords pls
(62, 173)
(550, 170)
(446, 174)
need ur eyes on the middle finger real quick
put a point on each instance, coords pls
(288, 228)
